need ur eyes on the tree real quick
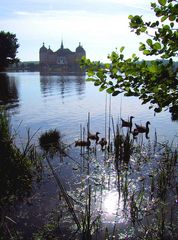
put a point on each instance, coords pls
(153, 81)
(8, 49)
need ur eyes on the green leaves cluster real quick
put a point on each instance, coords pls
(8, 49)
(153, 81)
(164, 42)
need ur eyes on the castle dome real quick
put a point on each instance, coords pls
(43, 48)
(80, 49)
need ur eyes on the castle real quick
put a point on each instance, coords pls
(62, 61)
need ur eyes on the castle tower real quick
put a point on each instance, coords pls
(80, 52)
(43, 54)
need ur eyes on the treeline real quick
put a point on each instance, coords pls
(31, 66)
(34, 66)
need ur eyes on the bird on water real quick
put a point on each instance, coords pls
(94, 136)
(127, 123)
(103, 142)
(82, 143)
(143, 129)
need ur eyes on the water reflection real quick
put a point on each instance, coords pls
(62, 85)
(9, 95)
(174, 113)
(111, 202)
(63, 102)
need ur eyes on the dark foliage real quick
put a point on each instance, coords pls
(8, 49)
(50, 140)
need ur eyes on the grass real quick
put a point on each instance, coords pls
(49, 141)
(16, 172)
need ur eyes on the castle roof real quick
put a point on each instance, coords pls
(80, 49)
(43, 48)
(64, 51)
(49, 50)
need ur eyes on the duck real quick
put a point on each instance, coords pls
(94, 136)
(142, 129)
(135, 132)
(127, 123)
(103, 142)
(82, 143)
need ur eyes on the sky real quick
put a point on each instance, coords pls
(100, 26)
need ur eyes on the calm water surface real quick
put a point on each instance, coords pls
(63, 102)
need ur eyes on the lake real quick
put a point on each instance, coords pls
(63, 102)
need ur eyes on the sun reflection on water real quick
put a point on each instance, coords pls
(113, 207)
(110, 203)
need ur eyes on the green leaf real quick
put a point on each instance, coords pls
(110, 83)
(110, 90)
(103, 87)
(172, 24)
(149, 41)
(97, 83)
(157, 110)
(114, 70)
(164, 18)
(153, 68)
(115, 93)
(146, 52)
(127, 89)
(130, 16)
(157, 46)
(107, 65)
(90, 73)
(162, 2)
(172, 17)
(142, 47)
(122, 49)
(153, 5)
(143, 29)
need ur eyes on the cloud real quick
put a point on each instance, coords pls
(101, 25)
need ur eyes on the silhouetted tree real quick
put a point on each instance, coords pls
(8, 49)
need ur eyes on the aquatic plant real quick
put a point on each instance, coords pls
(17, 167)
(50, 140)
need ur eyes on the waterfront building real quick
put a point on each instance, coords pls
(61, 61)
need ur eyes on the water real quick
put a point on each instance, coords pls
(63, 102)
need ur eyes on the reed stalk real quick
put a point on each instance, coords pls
(65, 195)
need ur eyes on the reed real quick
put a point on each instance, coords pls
(17, 166)
(49, 141)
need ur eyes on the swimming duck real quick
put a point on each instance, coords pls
(142, 129)
(94, 136)
(135, 132)
(127, 123)
(103, 142)
(82, 143)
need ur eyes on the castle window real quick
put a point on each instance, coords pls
(61, 60)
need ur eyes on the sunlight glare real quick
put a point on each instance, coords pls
(110, 202)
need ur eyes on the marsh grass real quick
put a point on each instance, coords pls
(14, 166)
(16, 174)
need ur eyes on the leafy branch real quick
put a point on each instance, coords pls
(153, 81)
